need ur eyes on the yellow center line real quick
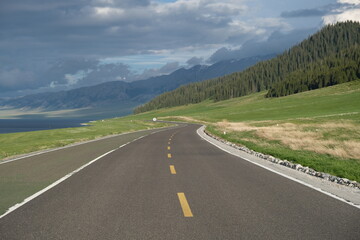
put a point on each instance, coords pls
(169, 155)
(168, 147)
(184, 205)
(172, 169)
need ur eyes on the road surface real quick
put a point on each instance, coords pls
(174, 185)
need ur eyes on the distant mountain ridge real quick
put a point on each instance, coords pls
(122, 93)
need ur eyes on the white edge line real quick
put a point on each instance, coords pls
(28, 199)
(80, 143)
(279, 173)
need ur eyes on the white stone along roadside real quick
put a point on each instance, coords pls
(340, 188)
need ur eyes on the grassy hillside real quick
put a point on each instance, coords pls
(326, 57)
(319, 129)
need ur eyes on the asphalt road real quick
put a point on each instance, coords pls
(174, 185)
(22, 178)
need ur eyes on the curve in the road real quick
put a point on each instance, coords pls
(131, 194)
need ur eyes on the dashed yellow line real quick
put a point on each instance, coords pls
(184, 205)
(172, 169)
(182, 199)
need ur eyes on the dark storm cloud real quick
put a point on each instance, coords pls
(41, 31)
(10, 79)
(74, 73)
(63, 74)
(60, 71)
(304, 13)
(320, 11)
(36, 33)
(109, 27)
(121, 3)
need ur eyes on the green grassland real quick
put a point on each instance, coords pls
(20, 143)
(326, 120)
(340, 99)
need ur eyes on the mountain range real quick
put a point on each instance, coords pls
(127, 95)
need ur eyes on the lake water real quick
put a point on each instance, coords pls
(26, 125)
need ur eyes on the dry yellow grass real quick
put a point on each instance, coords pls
(235, 126)
(299, 137)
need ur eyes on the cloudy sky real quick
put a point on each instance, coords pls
(55, 45)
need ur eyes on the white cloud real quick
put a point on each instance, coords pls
(349, 1)
(352, 14)
(71, 79)
(108, 11)
(348, 10)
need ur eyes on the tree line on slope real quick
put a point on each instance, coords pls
(327, 54)
(338, 68)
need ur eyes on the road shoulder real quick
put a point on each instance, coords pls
(340, 192)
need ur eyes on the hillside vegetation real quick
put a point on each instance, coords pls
(328, 57)
(319, 129)
(341, 67)
(120, 97)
